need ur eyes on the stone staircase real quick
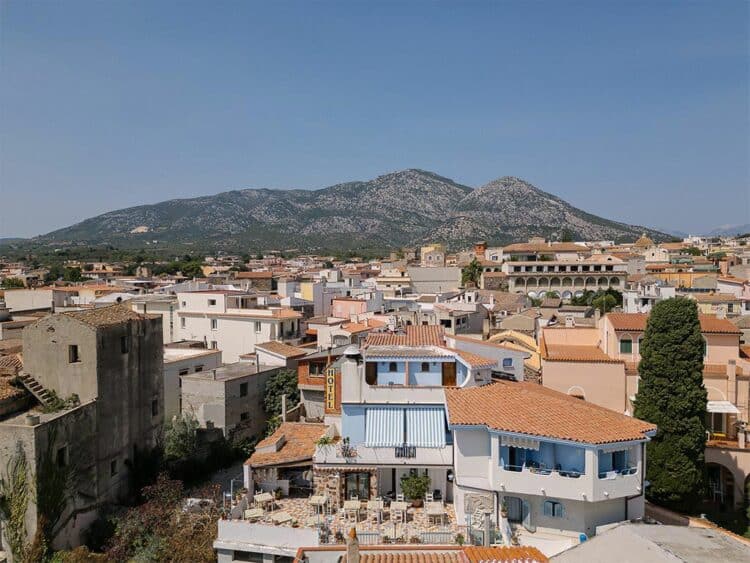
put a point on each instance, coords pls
(37, 389)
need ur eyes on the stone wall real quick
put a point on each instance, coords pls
(331, 481)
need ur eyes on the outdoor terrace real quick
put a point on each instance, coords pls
(331, 524)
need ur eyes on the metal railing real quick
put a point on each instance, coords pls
(405, 451)
(570, 473)
(613, 473)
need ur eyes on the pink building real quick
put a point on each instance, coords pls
(600, 365)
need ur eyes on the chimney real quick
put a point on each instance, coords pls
(352, 547)
(721, 313)
(570, 322)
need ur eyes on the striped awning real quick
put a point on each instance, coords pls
(520, 442)
(384, 427)
(722, 407)
(425, 427)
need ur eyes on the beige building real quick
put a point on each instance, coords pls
(600, 365)
(432, 256)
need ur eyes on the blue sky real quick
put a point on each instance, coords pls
(637, 111)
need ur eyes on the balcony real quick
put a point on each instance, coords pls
(400, 455)
(405, 451)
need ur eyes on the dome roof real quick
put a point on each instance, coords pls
(644, 242)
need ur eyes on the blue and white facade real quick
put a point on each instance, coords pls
(393, 418)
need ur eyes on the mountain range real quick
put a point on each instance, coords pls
(403, 208)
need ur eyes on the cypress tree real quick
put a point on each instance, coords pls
(672, 396)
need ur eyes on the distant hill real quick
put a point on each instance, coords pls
(730, 230)
(402, 208)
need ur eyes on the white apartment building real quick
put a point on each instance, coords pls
(234, 321)
(641, 296)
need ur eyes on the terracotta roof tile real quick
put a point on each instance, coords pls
(431, 335)
(281, 349)
(710, 324)
(528, 408)
(299, 445)
(409, 557)
(576, 353)
(254, 275)
(505, 554)
(474, 360)
(362, 326)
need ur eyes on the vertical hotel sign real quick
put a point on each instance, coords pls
(331, 402)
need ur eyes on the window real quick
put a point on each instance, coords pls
(214, 345)
(371, 373)
(184, 304)
(182, 322)
(198, 368)
(243, 389)
(113, 468)
(211, 302)
(154, 407)
(214, 324)
(507, 362)
(626, 346)
(73, 356)
(62, 456)
(392, 367)
(244, 416)
(125, 344)
(425, 366)
(553, 509)
(257, 326)
(184, 371)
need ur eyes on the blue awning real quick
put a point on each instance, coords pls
(425, 427)
(384, 427)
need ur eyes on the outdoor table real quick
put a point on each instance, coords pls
(315, 521)
(434, 510)
(281, 518)
(263, 499)
(318, 502)
(254, 514)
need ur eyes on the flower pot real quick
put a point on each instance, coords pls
(417, 502)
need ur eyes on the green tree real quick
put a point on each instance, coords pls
(604, 302)
(283, 382)
(672, 396)
(566, 236)
(12, 283)
(180, 437)
(72, 275)
(471, 273)
(191, 269)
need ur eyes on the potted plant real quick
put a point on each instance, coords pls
(415, 487)
(415, 539)
(460, 539)
(339, 536)
(278, 493)
(386, 539)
